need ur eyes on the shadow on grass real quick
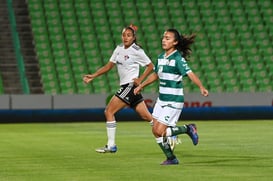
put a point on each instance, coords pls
(253, 161)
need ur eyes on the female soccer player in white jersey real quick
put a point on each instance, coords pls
(170, 69)
(128, 57)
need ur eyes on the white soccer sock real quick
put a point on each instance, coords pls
(169, 132)
(159, 140)
(111, 132)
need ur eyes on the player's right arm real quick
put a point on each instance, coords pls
(152, 77)
(89, 77)
(195, 79)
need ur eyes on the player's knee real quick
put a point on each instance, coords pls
(156, 132)
(108, 114)
(146, 117)
(105, 111)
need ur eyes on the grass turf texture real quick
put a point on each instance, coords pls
(228, 150)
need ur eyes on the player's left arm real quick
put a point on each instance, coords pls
(195, 79)
(149, 68)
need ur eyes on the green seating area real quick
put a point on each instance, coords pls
(232, 53)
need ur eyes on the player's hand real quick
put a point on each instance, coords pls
(136, 81)
(138, 89)
(88, 78)
(204, 92)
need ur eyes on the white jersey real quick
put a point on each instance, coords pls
(128, 62)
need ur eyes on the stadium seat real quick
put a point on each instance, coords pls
(131, 11)
(229, 34)
(101, 85)
(161, 16)
(48, 73)
(265, 88)
(115, 16)
(231, 84)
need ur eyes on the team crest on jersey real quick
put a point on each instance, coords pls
(126, 57)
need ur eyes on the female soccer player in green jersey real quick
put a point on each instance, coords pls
(170, 69)
(127, 57)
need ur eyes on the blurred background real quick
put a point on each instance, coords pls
(46, 46)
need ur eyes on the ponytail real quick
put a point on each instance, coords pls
(184, 43)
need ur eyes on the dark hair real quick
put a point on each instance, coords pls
(184, 42)
(133, 28)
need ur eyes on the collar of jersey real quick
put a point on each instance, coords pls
(170, 54)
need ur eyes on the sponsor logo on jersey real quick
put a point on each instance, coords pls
(119, 63)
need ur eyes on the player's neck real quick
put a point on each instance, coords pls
(169, 52)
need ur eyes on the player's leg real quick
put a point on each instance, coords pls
(159, 130)
(113, 106)
(189, 129)
(174, 130)
(136, 102)
(143, 111)
(173, 141)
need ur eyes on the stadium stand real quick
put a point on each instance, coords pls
(232, 53)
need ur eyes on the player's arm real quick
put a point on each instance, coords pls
(195, 79)
(89, 77)
(149, 68)
(151, 78)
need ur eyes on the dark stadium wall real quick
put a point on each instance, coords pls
(85, 108)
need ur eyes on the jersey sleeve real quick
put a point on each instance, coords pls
(183, 67)
(114, 55)
(142, 58)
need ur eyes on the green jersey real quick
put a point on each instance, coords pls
(171, 70)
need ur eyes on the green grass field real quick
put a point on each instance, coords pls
(228, 150)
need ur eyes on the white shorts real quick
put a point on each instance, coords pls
(166, 115)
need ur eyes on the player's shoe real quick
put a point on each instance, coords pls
(173, 140)
(170, 162)
(192, 132)
(112, 149)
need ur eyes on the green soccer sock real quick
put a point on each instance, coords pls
(165, 147)
(173, 131)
